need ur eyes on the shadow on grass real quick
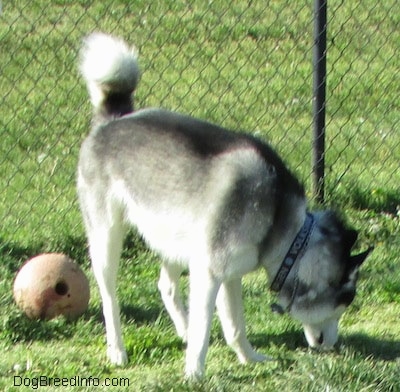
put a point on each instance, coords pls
(379, 200)
(291, 339)
(129, 313)
(361, 344)
(372, 347)
(17, 328)
(141, 315)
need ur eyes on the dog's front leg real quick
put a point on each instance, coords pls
(203, 292)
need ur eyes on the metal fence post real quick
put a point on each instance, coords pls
(319, 89)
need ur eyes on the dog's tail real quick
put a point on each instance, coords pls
(111, 72)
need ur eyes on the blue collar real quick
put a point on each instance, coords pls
(295, 252)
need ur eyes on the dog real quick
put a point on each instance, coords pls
(215, 202)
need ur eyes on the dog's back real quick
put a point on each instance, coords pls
(182, 182)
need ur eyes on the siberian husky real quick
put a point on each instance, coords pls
(213, 201)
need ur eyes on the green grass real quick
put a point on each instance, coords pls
(247, 68)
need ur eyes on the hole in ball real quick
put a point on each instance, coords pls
(61, 288)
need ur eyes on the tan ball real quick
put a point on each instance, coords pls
(50, 285)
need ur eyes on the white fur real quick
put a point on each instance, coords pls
(324, 334)
(106, 60)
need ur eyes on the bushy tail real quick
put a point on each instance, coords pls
(111, 72)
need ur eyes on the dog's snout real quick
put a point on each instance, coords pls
(323, 336)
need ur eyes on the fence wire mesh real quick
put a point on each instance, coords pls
(246, 65)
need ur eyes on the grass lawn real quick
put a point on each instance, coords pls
(247, 66)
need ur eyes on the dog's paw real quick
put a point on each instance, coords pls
(254, 356)
(193, 375)
(117, 356)
(194, 369)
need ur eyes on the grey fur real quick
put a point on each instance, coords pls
(217, 202)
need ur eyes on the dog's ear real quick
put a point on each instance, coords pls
(346, 295)
(352, 266)
(350, 238)
(356, 260)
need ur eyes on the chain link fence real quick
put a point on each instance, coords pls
(246, 65)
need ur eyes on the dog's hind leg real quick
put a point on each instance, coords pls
(168, 285)
(231, 314)
(105, 245)
(203, 292)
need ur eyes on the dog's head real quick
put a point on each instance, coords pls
(325, 282)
